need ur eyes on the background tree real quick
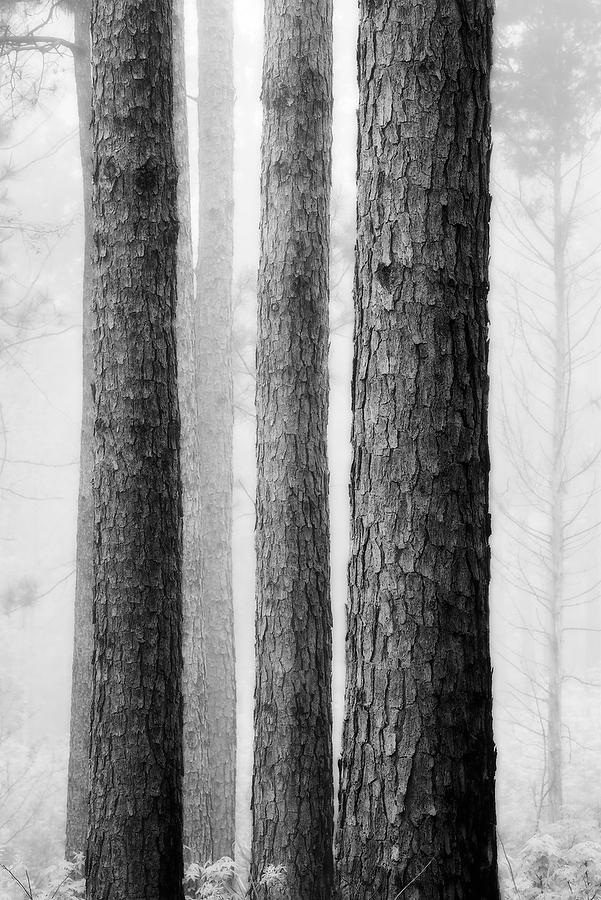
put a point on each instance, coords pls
(135, 836)
(198, 824)
(29, 62)
(214, 298)
(547, 114)
(21, 36)
(292, 779)
(81, 685)
(25, 34)
(417, 803)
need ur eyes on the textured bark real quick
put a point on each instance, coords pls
(214, 286)
(135, 837)
(81, 687)
(417, 781)
(292, 802)
(198, 844)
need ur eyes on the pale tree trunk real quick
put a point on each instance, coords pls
(292, 797)
(417, 802)
(592, 645)
(81, 687)
(214, 290)
(135, 836)
(560, 413)
(197, 814)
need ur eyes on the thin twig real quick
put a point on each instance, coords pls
(510, 867)
(413, 880)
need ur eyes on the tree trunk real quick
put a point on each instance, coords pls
(417, 802)
(214, 286)
(591, 651)
(135, 837)
(560, 412)
(81, 687)
(292, 802)
(198, 845)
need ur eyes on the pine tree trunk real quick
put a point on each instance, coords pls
(214, 286)
(560, 412)
(197, 818)
(81, 687)
(417, 782)
(135, 838)
(292, 780)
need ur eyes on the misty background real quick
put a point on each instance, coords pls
(41, 244)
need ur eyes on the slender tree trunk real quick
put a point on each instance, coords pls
(560, 412)
(197, 814)
(417, 782)
(214, 286)
(81, 688)
(592, 645)
(292, 803)
(135, 837)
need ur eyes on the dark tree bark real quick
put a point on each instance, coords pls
(198, 844)
(135, 837)
(81, 687)
(417, 781)
(292, 779)
(214, 287)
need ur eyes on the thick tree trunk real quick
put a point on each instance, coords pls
(417, 783)
(292, 781)
(135, 838)
(214, 287)
(81, 687)
(198, 843)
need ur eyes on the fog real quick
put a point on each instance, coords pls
(41, 249)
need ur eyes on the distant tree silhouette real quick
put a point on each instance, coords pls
(548, 79)
(215, 393)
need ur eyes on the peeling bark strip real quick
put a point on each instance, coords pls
(417, 785)
(214, 289)
(81, 685)
(292, 780)
(135, 838)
